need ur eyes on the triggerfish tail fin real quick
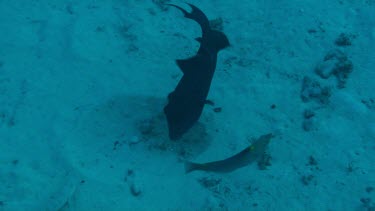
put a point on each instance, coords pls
(197, 15)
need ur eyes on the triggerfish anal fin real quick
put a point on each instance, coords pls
(248, 155)
(189, 65)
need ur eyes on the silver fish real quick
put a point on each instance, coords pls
(241, 159)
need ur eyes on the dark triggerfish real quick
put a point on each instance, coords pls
(186, 102)
(241, 159)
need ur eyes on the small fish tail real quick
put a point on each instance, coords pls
(190, 166)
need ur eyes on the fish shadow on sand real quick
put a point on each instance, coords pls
(137, 120)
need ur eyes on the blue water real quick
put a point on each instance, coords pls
(83, 87)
